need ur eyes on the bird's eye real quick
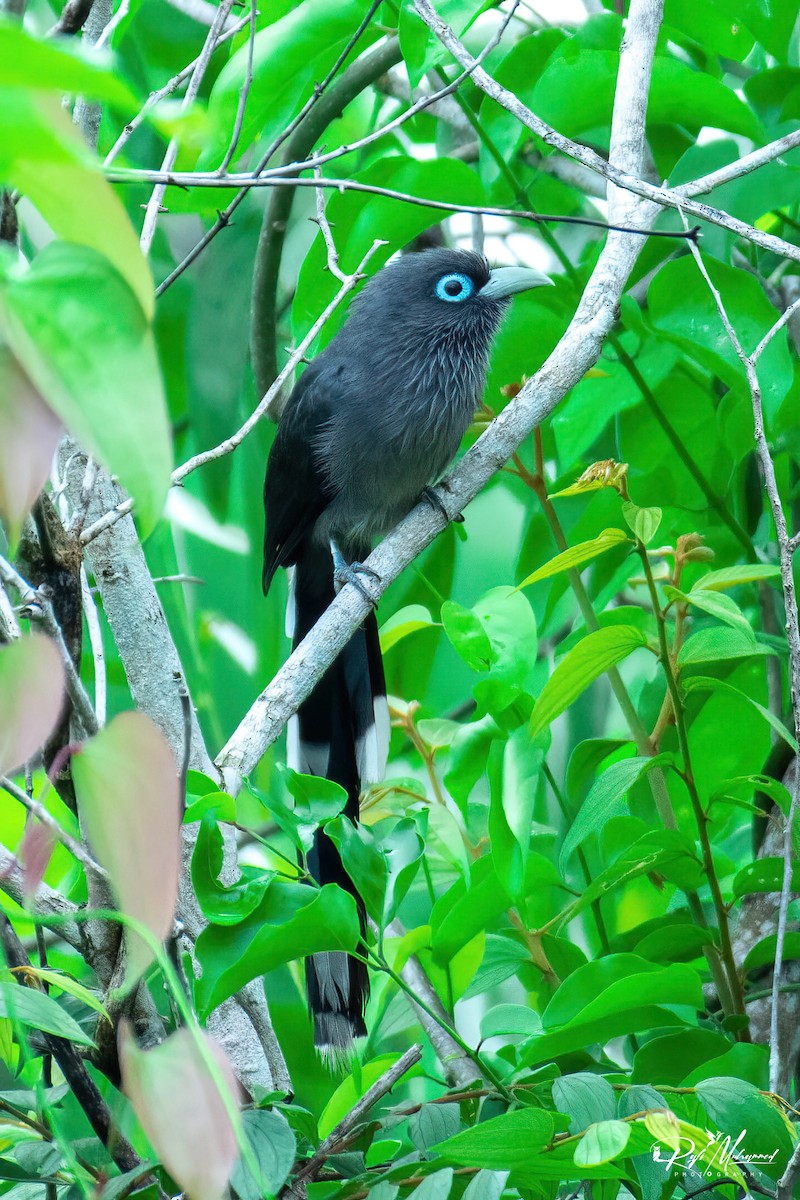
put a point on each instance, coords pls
(455, 287)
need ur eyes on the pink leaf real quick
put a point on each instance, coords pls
(31, 698)
(180, 1108)
(126, 782)
(29, 433)
(34, 853)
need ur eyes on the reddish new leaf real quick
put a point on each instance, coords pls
(29, 434)
(34, 854)
(181, 1110)
(127, 787)
(31, 698)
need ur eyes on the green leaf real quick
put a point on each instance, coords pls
(292, 921)
(718, 581)
(26, 62)
(643, 521)
(273, 1146)
(602, 1142)
(716, 604)
(586, 662)
(402, 623)
(27, 1006)
(511, 1019)
(735, 1105)
(510, 624)
(65, 983)
(617, 995)
(682, 307)
(502, 959)
(702, 683)
(513, 792)
(467, 635)
(764, 875)
(585, 1098)
(576, 555)
(606, 800)
(502, 1143)
(220, 904)
(436, 1187)
(381, 860)
(718, 645)
(43, 154)
(762, 954)
(81, 336)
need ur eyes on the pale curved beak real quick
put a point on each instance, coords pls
(507, 281)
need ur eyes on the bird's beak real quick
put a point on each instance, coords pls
(507, 281)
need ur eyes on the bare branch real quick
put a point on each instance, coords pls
(40, 812)
(162, 93)
(74, 16)
(742, 166)
(154, 204)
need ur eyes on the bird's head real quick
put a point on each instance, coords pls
(444, 290)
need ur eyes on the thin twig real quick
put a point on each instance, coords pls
(163, 92)
(98, 651)
(209, 179)
(229, 444)
(380, 1088)
(40, 812)
(117, 19)
(785, 552)
(243, 94)
(325, 229)
(154, 204)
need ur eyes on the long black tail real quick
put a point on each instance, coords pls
(340, 732)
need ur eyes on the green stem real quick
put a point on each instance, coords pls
(379, 963)
(644, 746)
(602, 932)
(733, 980)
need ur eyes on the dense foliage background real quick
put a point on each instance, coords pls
(577, 850)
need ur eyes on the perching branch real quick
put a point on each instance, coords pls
(785, 552)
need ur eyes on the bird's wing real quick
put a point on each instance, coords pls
(295, 492)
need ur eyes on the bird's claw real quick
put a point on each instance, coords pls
(437, 504)
(349, 573)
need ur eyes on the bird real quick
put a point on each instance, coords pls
(368, 430)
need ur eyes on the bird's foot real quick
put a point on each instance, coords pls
(437, 504)
(345, 572)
